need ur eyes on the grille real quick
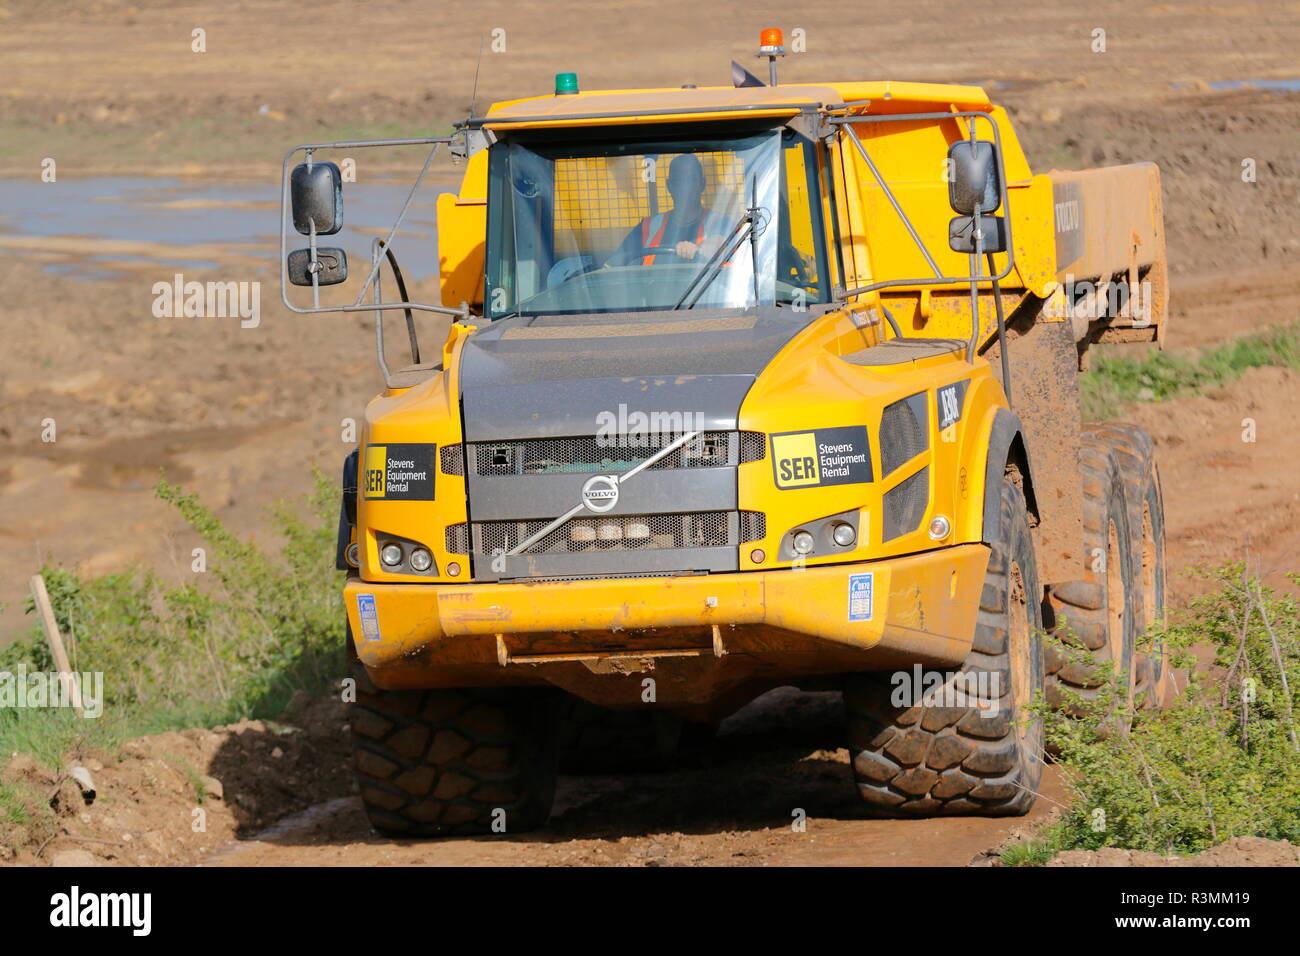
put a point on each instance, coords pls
(902, 432)
(453, 459)
(596, 455)
(904, 504)
(457, 538)
(704, 529)
(753, 526)
(753, 447)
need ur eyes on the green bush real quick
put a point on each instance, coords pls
(237, 642)
(1223, 761)
(1158, 376)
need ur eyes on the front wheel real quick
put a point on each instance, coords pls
(974, 747)
(454, 761)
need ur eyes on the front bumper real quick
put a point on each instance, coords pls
(702, 635)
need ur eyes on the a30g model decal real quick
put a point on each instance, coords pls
(950, 400)
(402, 472)
(827, 456)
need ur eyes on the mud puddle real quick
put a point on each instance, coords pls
(97, 229)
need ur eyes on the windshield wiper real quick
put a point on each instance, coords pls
(750, 225)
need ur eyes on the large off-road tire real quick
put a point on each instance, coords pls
(1135, 454)
(1095, 613)
(459, 761)
(924, 759)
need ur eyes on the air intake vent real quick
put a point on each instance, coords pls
(595, 455)
(753, 447)
(753, 526)
(453, 460)
(904, 505)
(903, 434)
(457, 537)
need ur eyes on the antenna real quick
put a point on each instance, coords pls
(473, 97)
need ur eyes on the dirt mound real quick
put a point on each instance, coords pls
(1241, 851)
(1236, 444)
(1228, 172)
(171, 798)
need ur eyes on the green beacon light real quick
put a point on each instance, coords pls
(566, 83)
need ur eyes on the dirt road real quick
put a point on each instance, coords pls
(240, 415)
(778, 762)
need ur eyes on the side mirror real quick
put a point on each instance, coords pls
(316, 195)
(973, 168)
(993, 234)
(331, 266)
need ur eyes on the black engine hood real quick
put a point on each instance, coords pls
(550, 376)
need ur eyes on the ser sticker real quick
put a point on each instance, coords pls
(399, 472)
(950, 401)
(369, 614)
(860, 596)
(827, 456)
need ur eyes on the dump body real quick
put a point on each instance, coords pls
(844, 393)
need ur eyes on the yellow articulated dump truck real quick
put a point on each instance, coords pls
(747, 386)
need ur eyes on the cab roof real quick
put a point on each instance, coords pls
(605, 106)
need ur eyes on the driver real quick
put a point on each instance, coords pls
(686, 229)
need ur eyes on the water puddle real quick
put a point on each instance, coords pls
(100, 228)
(1286, 85)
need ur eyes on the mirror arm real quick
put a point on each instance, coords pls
(978, 235)
(308, 149)
(1002, 330)
(410, 316)
(375, 259)
(314, 268)
(889, 193)
(836, 119)
(388, 240)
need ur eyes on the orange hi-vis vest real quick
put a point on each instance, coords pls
(649, 242)
(658, 224)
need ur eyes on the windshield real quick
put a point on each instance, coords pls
(723, 222)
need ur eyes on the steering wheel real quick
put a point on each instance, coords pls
(633, 258)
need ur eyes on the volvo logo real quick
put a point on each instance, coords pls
(600, 493)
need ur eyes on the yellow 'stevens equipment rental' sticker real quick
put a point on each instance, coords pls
(827, 456)
(402, 472)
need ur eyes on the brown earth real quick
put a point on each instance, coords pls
(777, 757)
(173, 798)
(1240, 851)
(240, 415)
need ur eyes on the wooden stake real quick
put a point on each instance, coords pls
(66, 677)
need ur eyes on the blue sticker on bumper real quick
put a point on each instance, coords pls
(860, 596)
(369, 615)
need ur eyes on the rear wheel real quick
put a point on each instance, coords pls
(973, 754)
(454, 761)
(1095, 614)
(1135, 454)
